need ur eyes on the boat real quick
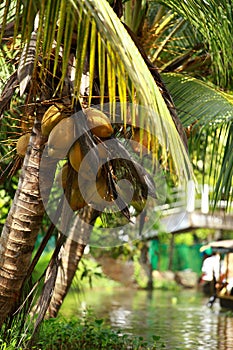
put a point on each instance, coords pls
(224, 283)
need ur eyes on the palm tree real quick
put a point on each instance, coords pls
(55, 40)
(43, 75)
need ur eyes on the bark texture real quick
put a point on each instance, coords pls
(70, 257)
(21, 228)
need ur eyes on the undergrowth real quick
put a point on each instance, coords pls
(88, 333)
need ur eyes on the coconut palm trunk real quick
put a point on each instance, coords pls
(22, 226)
(71, 255)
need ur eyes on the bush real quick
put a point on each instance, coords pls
(87, 333)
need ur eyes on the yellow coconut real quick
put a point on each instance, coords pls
(95, 192)
(92, 191)
(22, 143)
(61, 177)
(52, 117)
(76, 200)
(75, 156)
(99, 123)
(61, 138)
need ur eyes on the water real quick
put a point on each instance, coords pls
(181, 319)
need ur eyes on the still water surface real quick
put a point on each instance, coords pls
(181, 319)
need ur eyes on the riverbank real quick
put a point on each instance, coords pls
(135, 274)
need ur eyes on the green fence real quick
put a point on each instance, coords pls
(183, 256)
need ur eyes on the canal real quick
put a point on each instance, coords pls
(181, 319)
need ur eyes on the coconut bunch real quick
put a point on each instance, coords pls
(60, 130)
(116, 162)
(60, 138)
(91, 192)
(22, 144)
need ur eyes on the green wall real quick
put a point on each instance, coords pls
(184, 256)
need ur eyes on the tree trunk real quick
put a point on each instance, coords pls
(21, 228)
(71, 255)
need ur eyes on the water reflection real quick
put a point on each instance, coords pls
(182, 320)
(225, 333)
(120, 317)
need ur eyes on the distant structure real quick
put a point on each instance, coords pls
(187, 212)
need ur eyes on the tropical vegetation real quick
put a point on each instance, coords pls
(67, 56)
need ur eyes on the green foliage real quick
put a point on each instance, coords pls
(166, 285)
(213, 19)
(7, 191)
(140, 275)
(5, 203)
(89, 270)
(124, 252)
(87, 333)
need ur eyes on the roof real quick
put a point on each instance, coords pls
(225, 246)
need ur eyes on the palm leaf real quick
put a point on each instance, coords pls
(122, 50)
(210, 114)
(168, 39)
(213, 19)
(198, 102)
(158, 116)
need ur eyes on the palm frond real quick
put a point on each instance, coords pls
(224, 183)
(198, 102)
(160, 123)
(213, 19)
(71, 31)
(208, 114)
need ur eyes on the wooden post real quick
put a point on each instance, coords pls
(171, 250)
(190, 200)
(205, 199)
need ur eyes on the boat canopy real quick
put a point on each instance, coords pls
(225, 246)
